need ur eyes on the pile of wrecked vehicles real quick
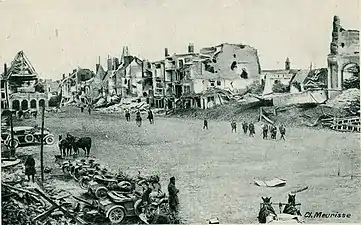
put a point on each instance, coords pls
(118, 196)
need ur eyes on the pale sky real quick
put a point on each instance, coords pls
(58, 36)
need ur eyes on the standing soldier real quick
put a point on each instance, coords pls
(273, 132)
(205, 124)
(150, 116)
(89, 109)
(173, 196)
(245, 127)
(265, 131)
(127, 115)
(30, 167)
(251, 129)
(234, 126)
(282, 132)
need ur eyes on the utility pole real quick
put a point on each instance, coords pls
(12, 148)
(42, 145)
(6, 86)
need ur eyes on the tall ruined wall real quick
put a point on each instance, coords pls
(234, 59)
(344, 50)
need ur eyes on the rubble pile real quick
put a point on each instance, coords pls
(21, 205)
(348, 100)
(133, 107)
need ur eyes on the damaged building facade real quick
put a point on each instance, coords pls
(187, 79)
(21, 87)
(344, 58)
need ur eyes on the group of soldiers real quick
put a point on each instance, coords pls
(249, 128)
(272, 129)
(138, 118)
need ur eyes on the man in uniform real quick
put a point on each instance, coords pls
(282, 132)
(245, 127)
(173, 196)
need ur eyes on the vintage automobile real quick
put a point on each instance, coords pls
(27, 135)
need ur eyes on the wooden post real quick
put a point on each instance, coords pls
(6, 86)
(12, 148)
(42, 145)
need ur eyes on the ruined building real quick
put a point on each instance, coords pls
(21, 88)
(344, 58)
(234, 66)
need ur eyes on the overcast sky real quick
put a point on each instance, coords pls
(58, 36)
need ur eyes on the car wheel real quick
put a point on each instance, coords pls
(29, 138)
(15, 143)
(101, 192)
(84, 183)
(49, 140)
(27, 115)
(116, 214)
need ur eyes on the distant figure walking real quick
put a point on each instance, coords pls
(234, 126)
(150, 117)
(251, 129)
(30, 168)
(81, 109)
(245, 127)
(273, 132)
(138, 119)
(89, 109)
(265, 131)
(282, 132)
(205, 124)
(127, 115)
(173, 196)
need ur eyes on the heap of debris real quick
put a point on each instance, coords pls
(27, 203)
(349, 100)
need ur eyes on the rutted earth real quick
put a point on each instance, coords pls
(215, 169)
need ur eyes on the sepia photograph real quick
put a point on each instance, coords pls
(180, 112)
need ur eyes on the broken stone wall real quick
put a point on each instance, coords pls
(236, 60)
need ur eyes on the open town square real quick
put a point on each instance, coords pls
(263, 128)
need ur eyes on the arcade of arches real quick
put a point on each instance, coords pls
(25, 104)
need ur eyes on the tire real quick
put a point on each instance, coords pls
(116, 214)
(26, 115)
(16, 143)
(84, 183)
(49, 140)
(101, 192)
(137, 207)
(29, 138)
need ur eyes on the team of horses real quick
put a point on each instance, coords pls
(70, 143)
(268, 214)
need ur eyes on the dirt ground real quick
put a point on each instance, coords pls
(215, 168)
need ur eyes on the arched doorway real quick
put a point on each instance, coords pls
(16, 105)
(41, 103)
(33, 104)
(24, 104)
(350, 76)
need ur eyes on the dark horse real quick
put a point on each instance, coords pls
(64, 146)
(84, 143)
(290, 208)
(266, 210)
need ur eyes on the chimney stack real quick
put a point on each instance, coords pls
(191, 48)
(166, 52)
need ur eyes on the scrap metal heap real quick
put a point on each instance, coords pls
(114, 197)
